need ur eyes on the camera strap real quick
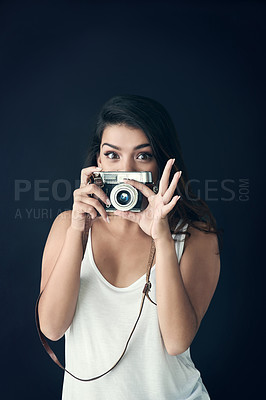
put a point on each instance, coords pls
(145, 293)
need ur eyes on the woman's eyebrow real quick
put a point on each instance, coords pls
(140, 146)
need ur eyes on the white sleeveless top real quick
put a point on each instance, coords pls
(104, 318)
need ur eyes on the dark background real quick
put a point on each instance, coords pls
(204, 61)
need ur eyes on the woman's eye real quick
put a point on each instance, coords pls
(147, 156)
(142, 156)
(112, 153)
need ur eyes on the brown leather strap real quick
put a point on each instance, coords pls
(147, 286)
(146, 289)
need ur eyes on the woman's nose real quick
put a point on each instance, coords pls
(127, 165)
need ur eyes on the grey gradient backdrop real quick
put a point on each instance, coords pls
(204, 61)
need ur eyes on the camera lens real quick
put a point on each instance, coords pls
(123, 197)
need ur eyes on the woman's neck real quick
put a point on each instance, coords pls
(120, 227)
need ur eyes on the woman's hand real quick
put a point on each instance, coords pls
(153, 220)
(84, 204)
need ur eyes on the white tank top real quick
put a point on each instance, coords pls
(104, 318)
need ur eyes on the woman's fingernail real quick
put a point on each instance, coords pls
(108, 202)
(173, 161)
(180, 173)
(108, 220)
(98, 168)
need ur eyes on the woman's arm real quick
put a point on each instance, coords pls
(60, 277)
(62, 258)
(184, 291)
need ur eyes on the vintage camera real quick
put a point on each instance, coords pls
(123, 196)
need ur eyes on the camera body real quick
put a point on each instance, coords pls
(123, 196)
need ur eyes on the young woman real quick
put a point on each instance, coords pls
(93, 296)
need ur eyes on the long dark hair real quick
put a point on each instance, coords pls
(152, 118)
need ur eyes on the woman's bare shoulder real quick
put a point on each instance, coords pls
(64, 216)
(198, 224)
(60, 225)
(199, 237)
(54, 244)
(57, 233)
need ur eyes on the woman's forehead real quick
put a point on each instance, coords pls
(120, 134)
